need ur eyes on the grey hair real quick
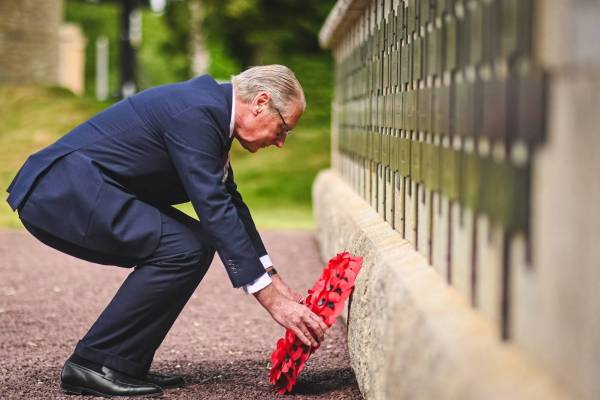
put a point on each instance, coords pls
(277, 80)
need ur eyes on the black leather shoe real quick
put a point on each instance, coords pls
(77, 379)
(164, 381)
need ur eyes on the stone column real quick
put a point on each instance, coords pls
(29, 40)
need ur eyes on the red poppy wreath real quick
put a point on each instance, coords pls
(326, 299)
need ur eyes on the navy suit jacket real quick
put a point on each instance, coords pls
(163, 146)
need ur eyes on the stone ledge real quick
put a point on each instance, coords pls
(411, 336)
(340, 19)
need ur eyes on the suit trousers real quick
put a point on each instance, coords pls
(136, 321)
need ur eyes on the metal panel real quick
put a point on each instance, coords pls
(464, 108)
(471, 182)
(381, 111)
(509, 206)
(385, 82)
(380, 37)
(411, 108)
(362, 135)
(450, 172)
(404, 157)
(374, 111)
(385, 149)
(405, 63)
(434, 51)
(494, 106)
(451, 43)
(398, 120)
(378, 84)
(400, 28)
(462, 38)
(530, 100)
(424, 110)
(417, 64)
(475, 16)
(411, 17)
(443, 6)
(434, 168)
(489, 197)
(430, 166)
(394, 152)
(425, 13)
(518, 210)
(377, 146)
(369, 144)
(426, 152)
(415, 161)
(394, 73)
(391, 100)
(391, 29)
(441, 109)
(491, 47)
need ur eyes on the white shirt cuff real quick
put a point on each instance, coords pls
(266, 261)
(263, 281)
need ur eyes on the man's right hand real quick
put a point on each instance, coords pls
(308, 326)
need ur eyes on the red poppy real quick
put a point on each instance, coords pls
(326, 299)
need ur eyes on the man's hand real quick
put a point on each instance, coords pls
(285, 290)
(308, 326)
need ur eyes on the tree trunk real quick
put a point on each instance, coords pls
(199, 53)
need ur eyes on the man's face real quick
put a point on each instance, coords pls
(258, 124)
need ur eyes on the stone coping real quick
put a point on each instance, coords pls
(341, 17)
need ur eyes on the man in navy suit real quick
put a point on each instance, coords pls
(104, 193)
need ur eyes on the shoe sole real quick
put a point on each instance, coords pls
(78, 390)
(69, 389)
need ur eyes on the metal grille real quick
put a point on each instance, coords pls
(445, 94)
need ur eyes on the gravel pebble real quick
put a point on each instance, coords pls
(221, 343)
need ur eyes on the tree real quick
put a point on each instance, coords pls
(260, 31)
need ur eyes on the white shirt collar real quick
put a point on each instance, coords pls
(232, 122)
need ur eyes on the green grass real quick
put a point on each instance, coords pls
(275, 183)
(33, 117)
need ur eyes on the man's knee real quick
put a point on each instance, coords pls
(192, 257)
(182, 243)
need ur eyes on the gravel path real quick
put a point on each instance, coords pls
(221, 343)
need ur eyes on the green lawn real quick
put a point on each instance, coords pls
(33, 117)
(274, 182)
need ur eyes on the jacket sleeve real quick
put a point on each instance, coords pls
(196, 149)
(244, 214)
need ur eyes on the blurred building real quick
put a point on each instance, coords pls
(36, 48)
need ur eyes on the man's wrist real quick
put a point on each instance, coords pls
(266, 296)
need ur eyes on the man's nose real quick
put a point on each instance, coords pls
(279, 142)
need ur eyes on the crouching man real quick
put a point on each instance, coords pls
(105, 192)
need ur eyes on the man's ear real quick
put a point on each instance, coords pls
(260, 102)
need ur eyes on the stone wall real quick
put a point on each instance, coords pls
(410, 335)
(468, 127)
(29, 40)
